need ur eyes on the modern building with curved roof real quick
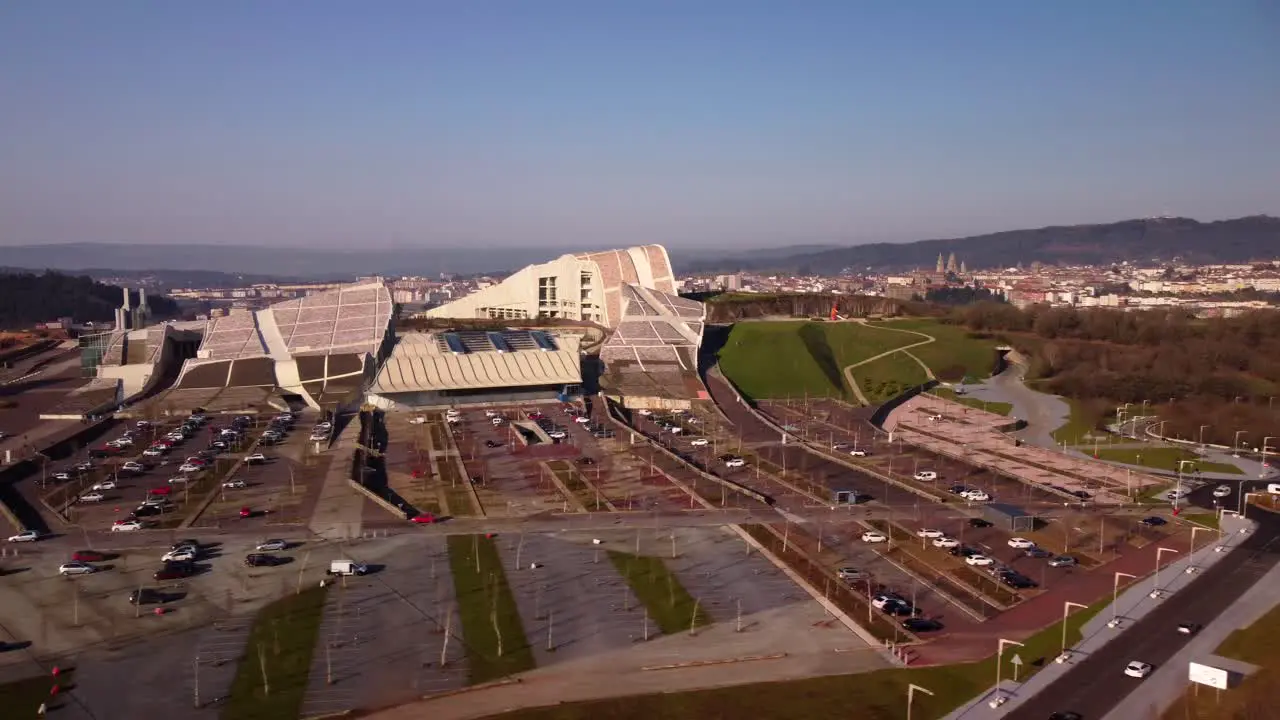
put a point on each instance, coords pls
(582, 286)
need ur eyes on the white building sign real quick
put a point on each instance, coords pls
(1208, 675)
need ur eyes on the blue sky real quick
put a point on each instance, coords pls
(745, 123)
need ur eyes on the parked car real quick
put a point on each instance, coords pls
(272, 545)
(262, 560)
(976, 496)
(1020, 543)
(423, 519)
(126, 526)
(1222, 491)
(979, 523)
(1154, 521)
(135, 467)
(175, 571)
(926, 476)
(105, 485)
(180, 555)
(256, 459)
(946, 542)
(871, 536)
(145, 596)
(849, 574)
(979, 560)
(1038, 553)
(1188, 628)
(492, 444)
(699, 442)
(92, 497)
(25, 536)
(856, 452)
(928, 533)
(62, 476)
(76, 568)
(1063, 561)
(921, 625)
(190, 468)
(234, 484)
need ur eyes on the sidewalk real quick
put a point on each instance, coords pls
(1133, 604)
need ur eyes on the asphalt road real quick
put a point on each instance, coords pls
(1098, 683)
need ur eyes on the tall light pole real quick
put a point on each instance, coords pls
(1203, 448)
(1235, 442)
(1066, 609)
(1115, 597)
(1155, 582)
(1266, 448)
(998, 699)
(911, 695)
(1177, 496)
(1160, 430)
(1195, 529)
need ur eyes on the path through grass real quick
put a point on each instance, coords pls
(491, 625)
(999, 408)
(283, 638)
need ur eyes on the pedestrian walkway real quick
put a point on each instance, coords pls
(339, 511)
(1133, 604)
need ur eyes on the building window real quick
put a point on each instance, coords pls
(546, 289)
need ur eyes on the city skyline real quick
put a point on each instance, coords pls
(420, 125)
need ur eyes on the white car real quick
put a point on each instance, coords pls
(926, 476)
(326, 425)
(849, 574)
(25, 536)
(582, 420)
(558, 434)
(675, 430)
(1137, 669)
(1222, 491)
(975, 496)
(872, 536)
(978, 560)
(189, 468)
(319, 437)
(418, 421)
(699, 442)
(858, 453)
(92, 497)
(491, 413)
(132, 466)
(840, 446)
(270, 545)
(76, 568)
(946, 542)
(928, 533)
(1021, 543)
(256, 458)
(105, 485)
(153, 452)
(126, 526)
(179, 480)
(184, 554)
(234, 484)
(735, 463)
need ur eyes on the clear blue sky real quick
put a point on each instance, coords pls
(597, 122)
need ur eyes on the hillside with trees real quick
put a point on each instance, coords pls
(1220, 372)
(28, 298)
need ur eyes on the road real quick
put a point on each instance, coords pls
(1098, 683)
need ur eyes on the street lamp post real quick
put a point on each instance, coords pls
(1155, 583)
(1203, 448)
(998, 699)
(1235, 442)
(1266, 448)
(911, 695)
(1115, 597)
(1195, 529)
(1066, 609)
(1177, 496)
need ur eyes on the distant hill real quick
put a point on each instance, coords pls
(1154, 239)
(28, 298)
(164, 279)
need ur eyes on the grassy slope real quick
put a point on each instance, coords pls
(1258, 644)
(999, 408)
(953, 355)
(770, 360)
(286, 632)
(1079, 424)
(870, 696)
(479, 593)
(888, 377)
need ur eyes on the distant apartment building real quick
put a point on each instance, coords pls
(729, 283)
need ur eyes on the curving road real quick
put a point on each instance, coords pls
(1095, 685)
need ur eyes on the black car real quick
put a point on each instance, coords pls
(1066, 716)
(261, 560)
(921, 625)
(147, 511)
(963, 551)
(1018, 582)
(900, 608)
(1154, 521)
(586, 461)
(492, 444)
(145, 596)
(979, 523)
(957, 489)
(1081, 494)
(1038, 553)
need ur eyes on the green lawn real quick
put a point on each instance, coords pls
(491, 627)
(21, 699)
(1258, 644)
(879, 695)
(283, 638)
(1209, 520)
(1082, 422)
(670, 606)
(1163, 458)
(888, 377)
(999, 408)
(954, 354)
(794, 359)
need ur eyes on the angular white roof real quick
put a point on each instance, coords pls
(422, 362)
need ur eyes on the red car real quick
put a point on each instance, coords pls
(423, 519)
(88, 556)
(245, 512)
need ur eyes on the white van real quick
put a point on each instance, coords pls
(1273, 488)
(347, 567)
(926, 476)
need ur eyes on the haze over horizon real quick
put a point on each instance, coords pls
(579, 124)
